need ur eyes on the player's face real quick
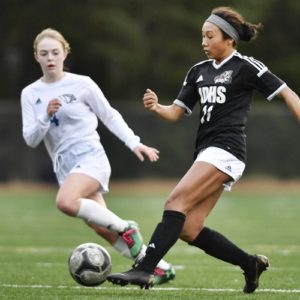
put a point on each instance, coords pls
(213, 43)
(50, 55)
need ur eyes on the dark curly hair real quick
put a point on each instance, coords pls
(246, 30)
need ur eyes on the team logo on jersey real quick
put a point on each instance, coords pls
(225, 77)
(68, 98)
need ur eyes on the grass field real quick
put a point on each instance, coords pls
(36, 240)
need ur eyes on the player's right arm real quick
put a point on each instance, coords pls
(34, 127)
(170, 113)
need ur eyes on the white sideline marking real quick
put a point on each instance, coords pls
(293, 291)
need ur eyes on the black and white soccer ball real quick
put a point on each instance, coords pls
(89, 264)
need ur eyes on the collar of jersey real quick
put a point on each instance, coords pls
(218, 66)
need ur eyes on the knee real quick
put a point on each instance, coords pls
(66, 205)
(176, 202)
(189, 233)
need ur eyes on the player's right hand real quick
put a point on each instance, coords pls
(53, 107)
(150, 100)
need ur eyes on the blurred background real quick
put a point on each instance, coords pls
(127, 46)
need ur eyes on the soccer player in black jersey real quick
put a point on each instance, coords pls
(223, 86)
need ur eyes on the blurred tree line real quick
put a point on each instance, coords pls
(129, 45)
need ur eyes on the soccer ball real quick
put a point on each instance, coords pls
(89, 264)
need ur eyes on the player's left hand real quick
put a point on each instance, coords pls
(141, 150)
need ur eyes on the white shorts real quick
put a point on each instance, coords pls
(225, 162)
(85, 158)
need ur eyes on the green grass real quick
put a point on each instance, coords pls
(36, 240)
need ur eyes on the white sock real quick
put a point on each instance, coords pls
(162, 264)
(92, 212)
(122, 247)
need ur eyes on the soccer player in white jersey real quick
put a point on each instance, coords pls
(222, 86)
(62, 109)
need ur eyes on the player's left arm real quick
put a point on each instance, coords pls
(292, 101)
(114, 121)
(142, 150)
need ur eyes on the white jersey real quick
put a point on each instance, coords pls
(77, 119)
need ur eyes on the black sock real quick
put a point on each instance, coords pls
(217, 245)
(164, 237)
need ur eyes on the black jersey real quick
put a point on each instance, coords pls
(224, 93)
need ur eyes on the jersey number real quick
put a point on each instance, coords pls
(206, 113)
(54, 120)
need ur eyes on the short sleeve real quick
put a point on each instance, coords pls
(188, 95)
(269, 85)
(262, 79)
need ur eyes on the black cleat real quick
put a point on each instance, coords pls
(141, 278)
(261, 264)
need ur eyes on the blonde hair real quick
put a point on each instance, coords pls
(54, 34)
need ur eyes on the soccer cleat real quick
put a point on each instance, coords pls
(261, 264)
(141, 278)
(162, 276)
(133, 238)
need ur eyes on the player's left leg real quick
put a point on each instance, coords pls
(218, 246)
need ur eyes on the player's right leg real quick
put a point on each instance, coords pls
(200, 181)
(164, 271)
(93, 211)
(72, 199)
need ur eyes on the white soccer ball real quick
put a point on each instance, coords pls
(89, 264)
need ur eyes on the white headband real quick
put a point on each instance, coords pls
(224, 25)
